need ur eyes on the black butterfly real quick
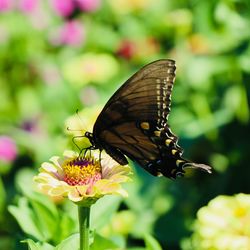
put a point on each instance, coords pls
(133, 123)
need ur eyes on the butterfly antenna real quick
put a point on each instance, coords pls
(81, 121)
(73, 130)
(82, 124)
(79, 136)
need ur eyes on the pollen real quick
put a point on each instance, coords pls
(81, 171)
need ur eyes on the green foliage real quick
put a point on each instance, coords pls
(2, 199)
(71, 242)
(103, 210)
(100, 243)
(151, 243)
(37, 246)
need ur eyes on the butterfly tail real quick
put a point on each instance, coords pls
(202, 167)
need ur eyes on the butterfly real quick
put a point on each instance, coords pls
(134, 123)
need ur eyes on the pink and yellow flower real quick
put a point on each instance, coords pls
(82, 179)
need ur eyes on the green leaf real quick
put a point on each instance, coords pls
(46, 246)
(72, 242)
(32, 245)
(135, 200)
(101, 243)
(46, 221)
(236, 101)
(22, 178)
(137, 248)
(151, 243)
(66, 227)
(2, 198)
(26, 219)
(103, 210)
(37, 245)
(45, 212)
(42, 218)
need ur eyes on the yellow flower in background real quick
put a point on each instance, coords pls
(90, 68)
(78, 124)
(127, 6)
(122, 223)
(82, 179)
(223, 224)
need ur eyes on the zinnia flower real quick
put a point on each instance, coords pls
(224, 224)
(28, 6)
(82, 179)
(71, 33)
(90, 68)
(8, 149)
(89, 5)
(5, 5)
(63, 7)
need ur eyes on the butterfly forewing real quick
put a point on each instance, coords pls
(134, 122)
(144, 96)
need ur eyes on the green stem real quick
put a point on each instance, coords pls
(83, 215)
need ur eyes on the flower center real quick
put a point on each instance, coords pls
(82, 171)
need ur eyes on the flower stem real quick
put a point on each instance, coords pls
(83, 215)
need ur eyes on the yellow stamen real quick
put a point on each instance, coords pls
(81, 171)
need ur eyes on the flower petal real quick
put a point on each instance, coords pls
(49, 167)
(54, 181)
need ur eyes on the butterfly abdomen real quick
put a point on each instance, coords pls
(116, 155)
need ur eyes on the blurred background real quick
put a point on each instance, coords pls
(58, 56)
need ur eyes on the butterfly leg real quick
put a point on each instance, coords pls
(100, 159)
(73, 140)
(86, 150)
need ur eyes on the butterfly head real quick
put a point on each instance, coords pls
(91, 139)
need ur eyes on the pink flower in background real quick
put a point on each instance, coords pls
(8, 149)
(63, 7)
(127, 49)
(27, 5)
(72, 33)
(5, 5)
(88, 5)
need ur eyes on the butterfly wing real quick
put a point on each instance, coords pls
(142, 93)
(134, 122)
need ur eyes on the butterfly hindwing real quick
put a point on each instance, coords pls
(153, 149)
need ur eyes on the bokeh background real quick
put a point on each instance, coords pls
(57, 56)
